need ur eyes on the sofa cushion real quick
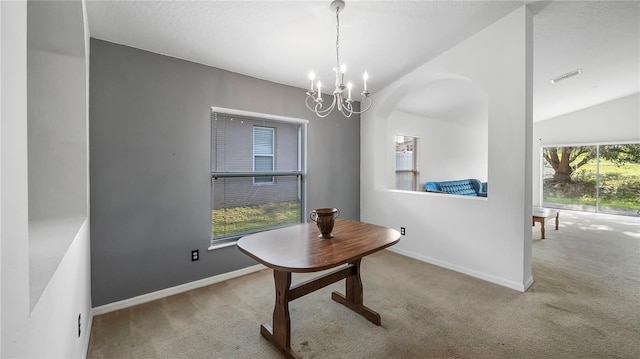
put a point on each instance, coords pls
(458, 187)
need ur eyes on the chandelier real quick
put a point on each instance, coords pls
(344, 105)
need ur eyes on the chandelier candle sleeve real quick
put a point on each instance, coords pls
(365, 77)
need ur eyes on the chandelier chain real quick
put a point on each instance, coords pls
(338, 36)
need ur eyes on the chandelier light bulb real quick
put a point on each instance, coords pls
(311, 77)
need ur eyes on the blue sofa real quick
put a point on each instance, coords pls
(466, 187)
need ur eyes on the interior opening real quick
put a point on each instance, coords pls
(450, 116)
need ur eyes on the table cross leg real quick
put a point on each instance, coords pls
(353, 295)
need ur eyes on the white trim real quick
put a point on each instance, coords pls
(223, 244)
(422, 192)
(272, 155)
(87, 335)
(233, 112)
(521, 287)
(103, 309)
(528, 283)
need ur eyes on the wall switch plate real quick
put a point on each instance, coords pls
(402, 231)
(195, 255)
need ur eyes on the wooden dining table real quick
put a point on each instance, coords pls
(300, 249)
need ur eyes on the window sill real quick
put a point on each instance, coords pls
(222, 245)
(439, 194)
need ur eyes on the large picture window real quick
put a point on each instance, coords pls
(599, 178)
(257, 173)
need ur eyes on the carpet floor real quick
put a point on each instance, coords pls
(584, 303)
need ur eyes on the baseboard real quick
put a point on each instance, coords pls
(470, 272)
(528, 283)
(174, 290)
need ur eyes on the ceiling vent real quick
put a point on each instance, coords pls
(566, 76)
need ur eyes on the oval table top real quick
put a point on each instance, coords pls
(300, 249)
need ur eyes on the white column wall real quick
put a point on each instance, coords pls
(489, 238)
(50, 328)
(14, 244)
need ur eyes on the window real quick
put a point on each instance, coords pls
(263, 138)
(597, 178)
(407, 171)
(257, 173)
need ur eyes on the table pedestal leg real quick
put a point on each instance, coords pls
(353, 296)
(280, 333)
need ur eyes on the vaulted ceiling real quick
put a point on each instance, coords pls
(282, 41)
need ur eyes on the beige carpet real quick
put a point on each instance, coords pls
(584, 303)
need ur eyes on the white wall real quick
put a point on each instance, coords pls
(616, 121)
(489, 238)
(50, 328)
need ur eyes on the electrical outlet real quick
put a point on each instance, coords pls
(402, 231)
(79, 325)
(195, 255)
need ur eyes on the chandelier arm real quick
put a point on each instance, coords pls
(330, 108)
(319, 111)
(348, 107)
(306, 102)
(362, 110)
(366, 108)
(348, 112)
(324, 113)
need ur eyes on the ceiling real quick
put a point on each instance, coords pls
(282, 41)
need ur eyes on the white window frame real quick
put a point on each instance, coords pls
(302, 165)
(415, 163)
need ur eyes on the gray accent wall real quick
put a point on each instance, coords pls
(149, 121)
